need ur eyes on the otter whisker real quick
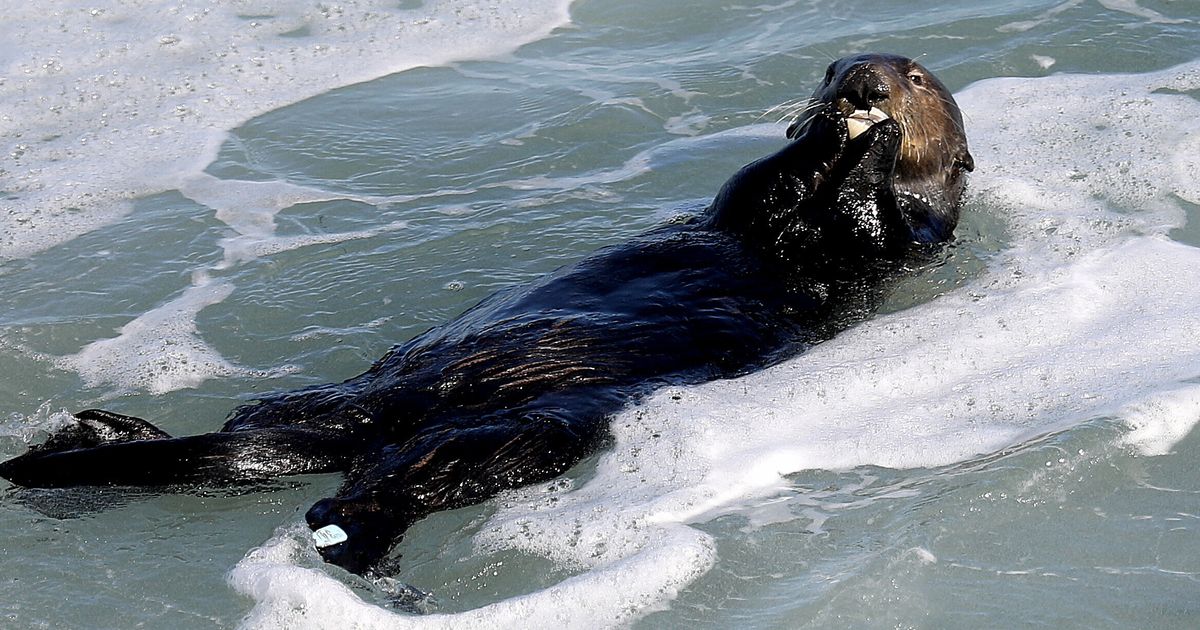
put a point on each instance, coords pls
(786, 105)
(826, 54)
(950, 106)
(799, 106)
(798, 113)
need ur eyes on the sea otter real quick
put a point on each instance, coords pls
(520, 387)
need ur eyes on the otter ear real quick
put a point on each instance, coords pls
(965, 161)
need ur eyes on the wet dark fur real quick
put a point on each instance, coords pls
(931, 171)
(519, 388)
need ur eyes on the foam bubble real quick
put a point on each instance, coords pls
(1159, 421)
(159, 351)
(103, 105)
(1090, 312)
(27, 428)
(1043, 61)
(291, 596)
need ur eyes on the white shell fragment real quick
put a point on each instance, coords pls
(861, 120)
(329, 536)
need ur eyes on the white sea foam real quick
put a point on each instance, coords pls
(291, 596)
(1157, 422)
(160, 351)
(249, 209)
(103, 105)
(1090, 312)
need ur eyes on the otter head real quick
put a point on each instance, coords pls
(933, 159)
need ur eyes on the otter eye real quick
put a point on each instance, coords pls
(829, 74)
(916, 78)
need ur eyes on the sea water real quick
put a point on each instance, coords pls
(205, 202)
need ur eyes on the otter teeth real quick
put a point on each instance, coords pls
(861, 120)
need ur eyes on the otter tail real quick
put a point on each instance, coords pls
(106, 449)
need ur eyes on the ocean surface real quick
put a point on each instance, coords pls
(206, 201)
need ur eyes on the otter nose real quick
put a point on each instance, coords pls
(864, 86)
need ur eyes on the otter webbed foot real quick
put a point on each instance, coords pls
(106, 427)
(93, 427)
(446, 467)
(109, 450)
(354, 535)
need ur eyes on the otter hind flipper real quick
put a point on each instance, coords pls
(445, 467)
(93, 427)
(114, 427)
(215, 459)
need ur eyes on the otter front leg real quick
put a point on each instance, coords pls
(444, 468)
(865, 202)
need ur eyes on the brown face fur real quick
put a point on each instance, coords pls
(933, 156)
